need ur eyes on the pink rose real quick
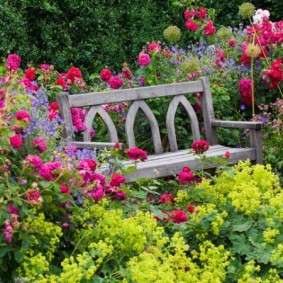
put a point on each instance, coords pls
(33, 160)
(40, 144)
(23, 115)
(115, 82)
(46, 170)
(64, 189)
(191, 25)
(13, 62)
(144, 59)
(186, 176)
(33, 197)
(153, 46)
(87, 164)
(16, 141)
(105, 75)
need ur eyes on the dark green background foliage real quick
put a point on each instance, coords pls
(92, 34)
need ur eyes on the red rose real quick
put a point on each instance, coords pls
(64, 189)
(87, 164)
(191, 208)
(191, 25)
(30, 74)
(33, 197)
(200, 146)
(166, 198)
(117, 179)
(74, 73)
(178, 216)
(136, 153)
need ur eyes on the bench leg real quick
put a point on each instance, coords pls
(256, 142)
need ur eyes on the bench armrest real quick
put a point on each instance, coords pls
(237, 124)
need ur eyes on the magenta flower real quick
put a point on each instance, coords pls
(40, 144)
(166, 198)
(178, 216)
(144, 59)
(115, 82)
(87, 164)
(33, 197)
(46, 170)
(16, 141)
(13, 62)
(117, 179)
(105, 74)
(23, 115)
(186, 176)
(33, 160)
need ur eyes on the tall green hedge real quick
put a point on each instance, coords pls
(93, 34)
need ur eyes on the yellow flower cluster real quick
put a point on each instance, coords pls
(269, 235)
(249, 274)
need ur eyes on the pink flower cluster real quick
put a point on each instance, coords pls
(47, 170)
(78, 116)
(201, 16)
(114, 82)
(53, 110)
(245, 88)
(40, 144)
(144, 59)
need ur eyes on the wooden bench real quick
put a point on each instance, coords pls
(160, 163)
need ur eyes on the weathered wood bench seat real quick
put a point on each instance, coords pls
(161, 163)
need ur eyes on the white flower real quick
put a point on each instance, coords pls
(259, 15)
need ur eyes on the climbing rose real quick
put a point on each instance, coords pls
(33, 197)
(191, 25)
(144, 59)
(64, 189)
(46, 170)
(33, 160)
(16, 141)
(87, 164)
(153, 46)
(191, 208)
(245, 88)
(186, 176)
(105, 75)
(74, 73)
(200, 146)
(115, 82)
(178, 216)
(23, 115)
(136, 153)
(202, 13)
(117, 179)
(13, 62)
(30, 74)
(166, 198)
(209, 29)
(40, 144)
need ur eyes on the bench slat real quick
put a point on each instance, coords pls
(113, 96)
(173, 165)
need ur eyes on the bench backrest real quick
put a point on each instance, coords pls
(137, 96)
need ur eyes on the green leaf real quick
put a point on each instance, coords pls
(241, 227)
